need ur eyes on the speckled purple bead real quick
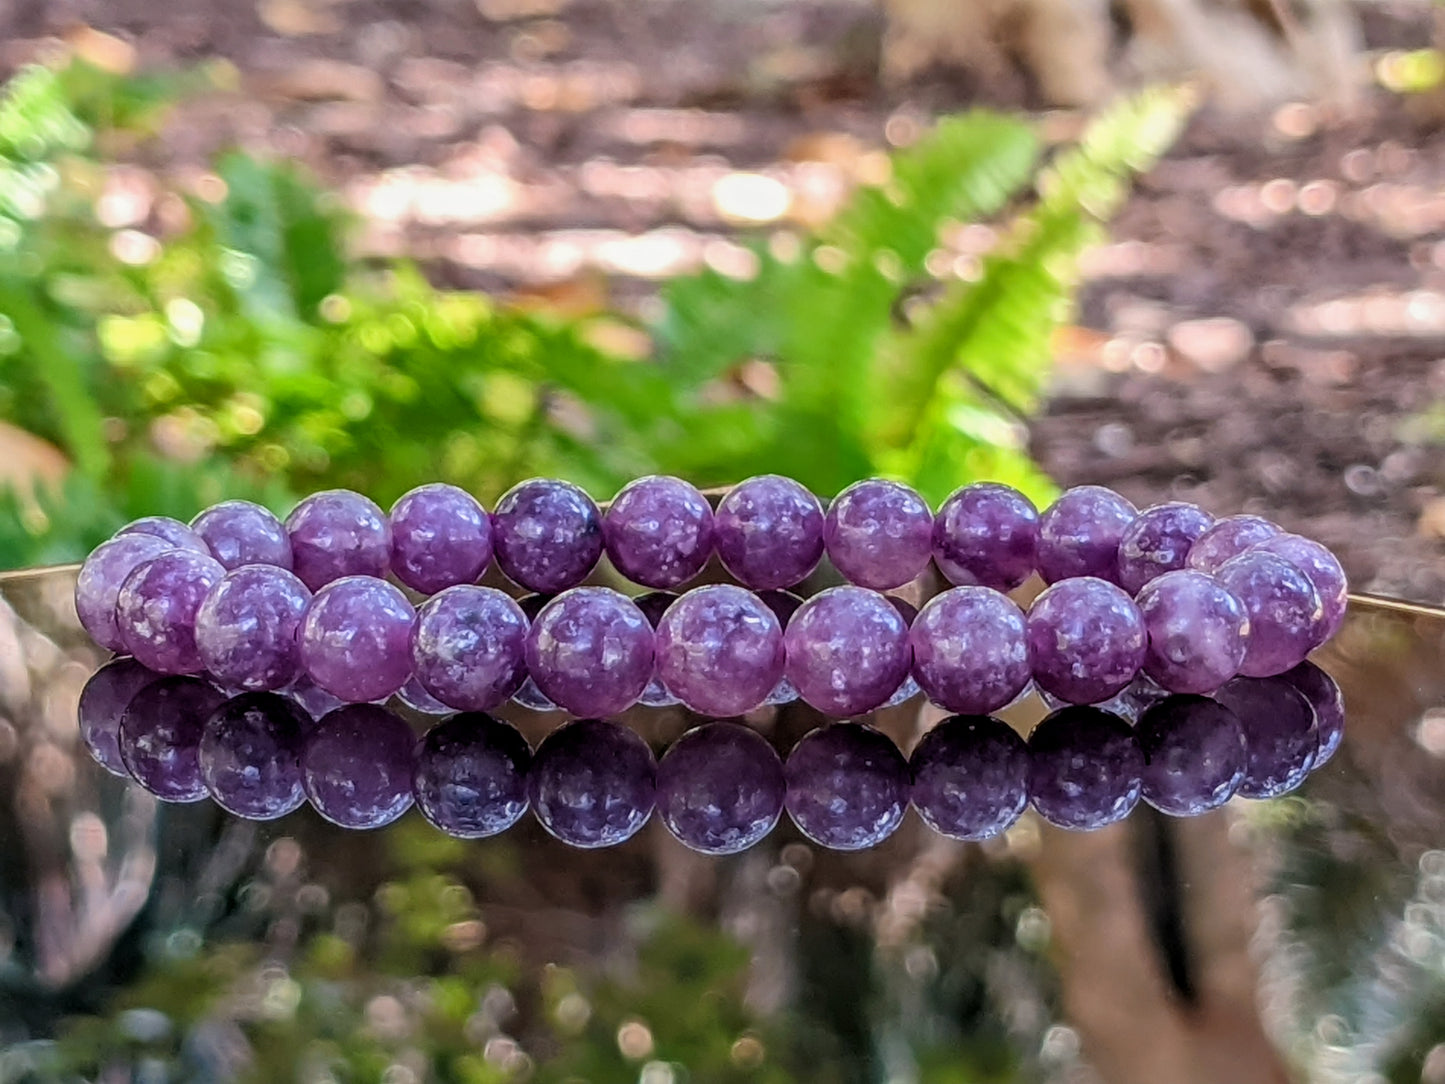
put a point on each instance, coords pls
(1086, 639)
(160, 736)
(1158, 541)
(769, 532)
(355, 639)
(720, 788)
(100, 580)
(720, 650)
(241, 533)
(470, 778)
(102, 704)
(1085, 768)
(986, 535)
(1080, 533)
(546, 534)
(653, 605)
(250, 755)
(658, 531)
(1322, 569)
(590, 651)
(246, 628)
(592, 783)
(847, 651)
(468, 647)
(1324, 695)
(970, 650)
(1198, 631)
(338, 533)
(784, 605)
(440, 537)
(1285, 615)
(1227, 539)
(878, 534)
(847, 786)
(156, 609)
(1193, 755)
(356, 766)
(528, 695)
(1281, 738)
(168, 530)
(970, 777)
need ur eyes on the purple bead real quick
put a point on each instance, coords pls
(167, 530)
(470, 778)
(1323, 571)
(720, 650)
(246, 628)
(769, 532)
(847, 651)
(1193, 755)
(528, 695)
(160, 736)
(156, 609)
(414, 696)
(878, 534)
(356, 766)
(970, 650)
(1198, 632)
(653, 605)
(338, 533)
(592, 783)
(1087, 640)
(250, 756)
(546, 534)
(1227, 539)
(241, 533)
(312, 699)
(1158, 541)
(970, 777)
(720, 788)
(102, 704)
(468, 647)
(440, 537)
(1285, 615)
(355, 639)
(1080, 533)
(658, 531)
(1328, 702)
(590, 651)
(100, 580)
(986, 535)
(784, 605)
(847, 786)
(1085, 768)
(1281, 737)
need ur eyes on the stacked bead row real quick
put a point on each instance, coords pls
(721, 787)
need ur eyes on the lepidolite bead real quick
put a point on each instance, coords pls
(590, 651)
(658, 531)
(160, 736)
(1228, 538)
(653, 605)
(156, 609)
(970, 777)
(970, 650)
(355, 638)
(1281, 738)
(1193, 755)
(847, 786)
(356, 766)
(102, 704)
(1086, 640)
(768, 531)
(246, 627)
(847, 651)
(98, 585)
(1324, 572)
(592, 783)
(720, 788)
(878, 533)
(1286, 619)
(1198, 631)
(1085, 768)
(546, 535)
(168, 530)
(242, 533)
(468, 647)
(720, 650)
(338, 533)
(470, 778)
(1158, 541)
(440, 537)
(1080, 533)
(986, 535)
(250, 755)
(1328, 702)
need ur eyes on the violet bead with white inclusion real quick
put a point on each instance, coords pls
(338, 533)
(155, 611)
(658, 531)
(1080, 533)
(1281, 737)
(1158, 541)
(250, 755)
(546, 535)
(1285, 615)
(1194, 755)
(847, 786)
(468, 647)
(356, 766)
(986, 535)
(592, 783)
(355, 639)
(101, 577)
(970, 650)
(590, 651)
(847, 651)
(720, 788)
(168, 530)
(470, 778)
(653, 605)
(970, 777)
(878, 533)
(720, 650)
(242, 533)
(160, 736)
(1198, 631)
(1085, 768)
(1324, 572)
(441, 536)
(103, 701)
(768, 531)
(1087, 640)
(1227, 539)
(1328, 702)
(246, 628)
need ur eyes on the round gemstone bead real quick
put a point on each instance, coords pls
(590, 651)
(167, 530)
(156, 609)
(720, 650)
(769, 532)
(720, 788)
(1198, 632)
(970, 777)
(246, 627)
(355, 637)
(1080, 533)
(470, 778)
(99, 582)
(784, 605)
(658, 531)
(1085, 768)
(528, 695)
(653, 605)
(102, 703)
(160, 736)
(1281, 737)
(878, 534)
(1086, 638)
(468, 647)
(986, 535)
(1285, 615)
(440, 537)
(970, 650)
(242, 533)
(1158, 541)
(847, 786)
(546, 534)
(250, 755)
(1227, 539)
(1328, 702)
(1193, 755)
(356, 766)
(338, 533)
(592, 783)
(414, 696)
(1322, 570)
(847, 651)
